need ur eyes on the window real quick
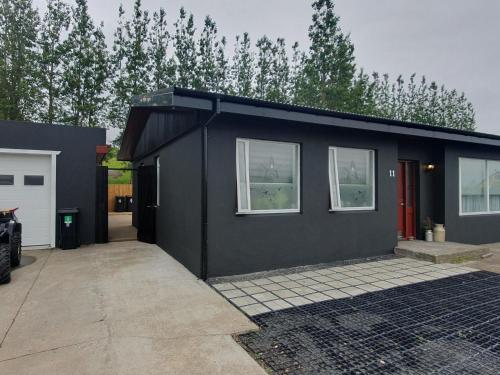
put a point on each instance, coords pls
(352, 176)
(268, 175)
(33, 180)
(6, 179)
(479, 186)
(157, 163)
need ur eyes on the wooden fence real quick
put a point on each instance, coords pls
(117, 190)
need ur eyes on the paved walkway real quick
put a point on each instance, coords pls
(120, 308)
(491, 263)
(259, 294)
(120, 227)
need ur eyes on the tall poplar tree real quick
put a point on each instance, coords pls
(221, 81)
(264, 67)
(118, 106)
(206, 67)
(422, 102)
(185, 50)
(279, 85)
(212, 66)
(162, 66)
(19, 94)
(55, 21)
(329, 67)
(130, 63)
(242, 70)
(137, 63)
(296, 73)
(85, 67)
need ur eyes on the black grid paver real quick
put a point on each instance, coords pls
(445, 326)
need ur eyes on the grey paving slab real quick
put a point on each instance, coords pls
(232, 293)
(303, 290)
(321, 284)
(264, 297)
(272, 287)
(278, 304)
(317, 297)
(298, 301)
(253, 289)
(285, 293)
(243, 301)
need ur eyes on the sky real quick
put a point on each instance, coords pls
(452, 42)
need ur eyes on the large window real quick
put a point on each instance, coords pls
(479, 186)
(268, 175)
(352, 176)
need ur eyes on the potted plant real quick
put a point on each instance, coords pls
(427, 225)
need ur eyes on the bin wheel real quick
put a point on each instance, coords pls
(15, 249)
(4, 263)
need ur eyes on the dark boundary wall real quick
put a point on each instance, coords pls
(249, 243)
(178, 218)
(473, 229)
(76, 165)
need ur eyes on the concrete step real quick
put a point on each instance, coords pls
(441, 252)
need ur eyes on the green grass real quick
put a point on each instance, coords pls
(117, 177)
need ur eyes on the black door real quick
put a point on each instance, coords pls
(101, 212)
(146, 204)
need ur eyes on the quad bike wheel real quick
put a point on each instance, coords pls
(15, 249)
(4, 263)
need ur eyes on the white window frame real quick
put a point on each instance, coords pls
(157, 163)
(488, 212)
(246, 211)
(332, 151)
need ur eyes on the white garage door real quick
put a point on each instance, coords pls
(25, 182)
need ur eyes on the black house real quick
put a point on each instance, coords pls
(230, 185)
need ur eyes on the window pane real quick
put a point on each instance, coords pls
(6, 179)
(355, 177)
(494, 181)
(273, 175)
(242, 170)
(333, 180)
(473, 181)
(33, 180)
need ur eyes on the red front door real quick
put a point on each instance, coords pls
(406, 200)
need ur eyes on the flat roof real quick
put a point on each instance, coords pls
(173, 98)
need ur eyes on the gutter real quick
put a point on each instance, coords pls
(204, 188)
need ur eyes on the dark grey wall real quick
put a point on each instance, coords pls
(249, 243)
(430, 185)
(178, 219)
(475, 229)
(76, 165)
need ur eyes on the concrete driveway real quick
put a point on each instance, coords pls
(121, 308)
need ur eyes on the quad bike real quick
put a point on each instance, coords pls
(10, 243)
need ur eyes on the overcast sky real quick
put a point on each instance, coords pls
(454, 42)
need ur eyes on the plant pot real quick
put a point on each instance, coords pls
(429, 236)
(439, 233)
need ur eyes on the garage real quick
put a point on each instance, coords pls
(27, 181)
(48, 167)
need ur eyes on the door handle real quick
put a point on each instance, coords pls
(402, 204)
(152, 206)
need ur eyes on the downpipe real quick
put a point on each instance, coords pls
(204, 189)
